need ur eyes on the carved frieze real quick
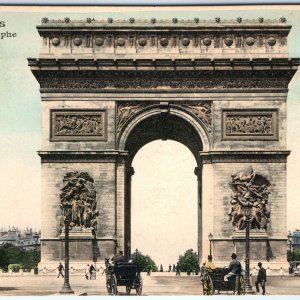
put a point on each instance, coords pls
(250, 125)
(249, 189)
(76, 125)
(147, 80)
(78, 200)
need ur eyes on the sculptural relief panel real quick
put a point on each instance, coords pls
(251, 189)
(77, 125)
(78, 201)
(250, 125)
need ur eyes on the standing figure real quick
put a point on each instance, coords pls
(92, 272)
(87, 271)
(60, 269)
(177, 270)
(261, 279)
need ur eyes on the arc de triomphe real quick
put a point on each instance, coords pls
(108, 87)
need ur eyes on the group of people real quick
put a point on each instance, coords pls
(235, 269)
(90, 271)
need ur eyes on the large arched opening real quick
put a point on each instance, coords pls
(164, 212)
(158, 123)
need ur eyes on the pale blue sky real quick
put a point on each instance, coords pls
(20, 113)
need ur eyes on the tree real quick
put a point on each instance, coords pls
(188, 262)
(145, 262)
(294, 255)
(10, 254)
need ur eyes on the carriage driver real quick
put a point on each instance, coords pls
(235, 268)
(118, 258)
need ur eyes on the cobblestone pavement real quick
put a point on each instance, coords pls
(42, 285)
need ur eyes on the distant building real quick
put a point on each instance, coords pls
(14, 236)
(296, 239)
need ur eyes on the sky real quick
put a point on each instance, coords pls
(20, 131)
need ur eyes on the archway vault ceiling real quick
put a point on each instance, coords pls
(165, 127)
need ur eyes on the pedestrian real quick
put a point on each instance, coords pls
(161, 268)
(148, 270)
(281, 272)
(174, 268)
(60, 269)
(92, 272)
(87, 271)
(261, 279)
(177, 270)
(170, 268)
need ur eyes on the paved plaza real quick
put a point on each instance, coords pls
(44, 285)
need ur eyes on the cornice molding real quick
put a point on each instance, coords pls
(154, 22)
(244, 156)
(82, 156)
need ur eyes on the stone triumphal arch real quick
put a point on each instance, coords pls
(108, 87)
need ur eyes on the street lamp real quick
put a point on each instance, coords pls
(66, 289)
(36, 238)
(210, 236)
(290, 239)
(128, 251)
(247, 210)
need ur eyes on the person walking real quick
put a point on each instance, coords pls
(261, 279)
(87, 271)
(60, 269)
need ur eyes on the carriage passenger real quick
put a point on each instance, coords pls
(235, 268)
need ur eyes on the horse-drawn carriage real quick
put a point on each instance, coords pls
(123, 274)
(213, 280)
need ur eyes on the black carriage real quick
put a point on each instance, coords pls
(213, 281)
(123, 274)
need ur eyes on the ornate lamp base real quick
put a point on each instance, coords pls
(248, 290)
(66, 289)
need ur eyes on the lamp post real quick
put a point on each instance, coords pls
(36, 238)
(66, 289)
(128, 251)
(210, 236)
(290, 239)
(247, 210)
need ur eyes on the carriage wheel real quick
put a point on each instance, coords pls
(241, 287)
(208, 286)
(139, 285)
(114, 286)
(128, 289)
